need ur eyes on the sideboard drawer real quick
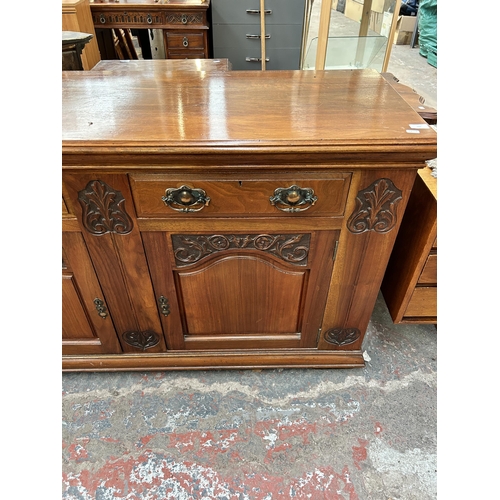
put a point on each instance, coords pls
(315, 197)
(177, 41)
(191, 19)
(113, 18)
(186, 54)
(423, 302)
(429, 272)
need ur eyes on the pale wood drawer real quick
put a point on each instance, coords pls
(423, 302)
(429, 272)
(239, 197)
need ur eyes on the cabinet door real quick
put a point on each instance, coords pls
(242, 290)
(87, 327)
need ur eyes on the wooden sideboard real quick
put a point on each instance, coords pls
(410, 283)
(184, 23)
(229, 219)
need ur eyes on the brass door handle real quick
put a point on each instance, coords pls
(293, 199)
(186, 199)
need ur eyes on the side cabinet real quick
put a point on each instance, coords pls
(157, 263)
(236, 33)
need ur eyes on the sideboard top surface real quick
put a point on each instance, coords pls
(316, 111)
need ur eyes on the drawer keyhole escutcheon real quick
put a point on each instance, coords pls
(100, 308)
(293, 199)
(186, 199)
(164, 305)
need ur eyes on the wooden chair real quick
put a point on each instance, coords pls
(124, 45)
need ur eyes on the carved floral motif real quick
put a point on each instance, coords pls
(292, 248)
(142, 340)
(342, 336)
(375, 208)
(103, 209)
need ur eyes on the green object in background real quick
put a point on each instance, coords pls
(427, 30)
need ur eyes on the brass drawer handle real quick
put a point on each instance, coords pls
(149, 19)
(185, 41)
(184, 19)
(186, 199)
(293, 199)
(102, 19)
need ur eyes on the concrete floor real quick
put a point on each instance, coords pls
(357, 434)
(354, 434)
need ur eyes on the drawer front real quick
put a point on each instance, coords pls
(423, 302)
(186, 54)
(429, 272)
(236, 11)
(277, 59)
(240, 198)
(191, 19)
(247, 37)
(112, 18)
(178, 41)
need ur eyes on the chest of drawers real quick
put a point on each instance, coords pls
(206, 229)
(236, 33)
(410, 282)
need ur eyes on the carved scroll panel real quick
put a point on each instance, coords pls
(191, 248)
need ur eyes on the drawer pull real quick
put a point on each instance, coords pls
(185, 41)
(149, 19)
(102, 19)
(184, 19)
(254, 37)
(257, 11)
(293, 199)
(255, 59)
(186, 199)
